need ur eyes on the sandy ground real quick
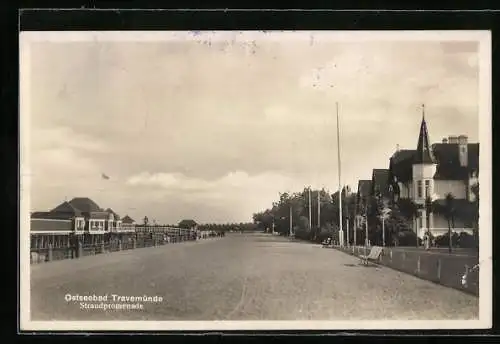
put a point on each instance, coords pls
(242, 277)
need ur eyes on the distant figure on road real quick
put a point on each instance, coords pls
(73, 246)
(427, 241)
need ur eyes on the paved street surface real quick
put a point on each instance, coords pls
(241, 277)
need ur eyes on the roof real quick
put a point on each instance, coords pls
(85, 205)
(380, 182)
(446, 157)
(115, 215)
(423, 154)
(448, 161)
(66, 208)
(52, 215)
(400, 165)
(403, 155)
(127, 219)
(50, 225)
(364, 188)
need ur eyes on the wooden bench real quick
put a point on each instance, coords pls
(327, 242)
(374, 255)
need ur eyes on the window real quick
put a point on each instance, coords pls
(419, 189)
(427, 188)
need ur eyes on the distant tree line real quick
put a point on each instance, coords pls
(216, 227)
(226, 227)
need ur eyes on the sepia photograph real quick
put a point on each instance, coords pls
(255, 180)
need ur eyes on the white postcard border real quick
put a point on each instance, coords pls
(485, 178)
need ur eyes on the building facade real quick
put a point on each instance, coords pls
(427, 176)
(362, 197)
(80, 218)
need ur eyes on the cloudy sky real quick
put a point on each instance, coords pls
(211, 126)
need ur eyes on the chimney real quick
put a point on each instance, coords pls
(462, 150)
(453, 139)
(462, 139)
(445, 140)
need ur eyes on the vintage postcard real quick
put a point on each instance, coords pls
(255, 180)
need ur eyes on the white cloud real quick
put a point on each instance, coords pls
(189, 113)
(237, 180)
(235, 190)
(66, 137)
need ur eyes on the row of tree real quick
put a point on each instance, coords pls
(291, 213)
(314, 215)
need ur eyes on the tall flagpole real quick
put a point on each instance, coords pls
(319, 211)
(310, 209)
(341, 231)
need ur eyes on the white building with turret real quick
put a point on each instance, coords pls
(433, 172)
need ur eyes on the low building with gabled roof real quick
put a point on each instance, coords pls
(128, 223)
(364, 189)
(380, 183)
(128, 220)
(81, 214)
(362, 195)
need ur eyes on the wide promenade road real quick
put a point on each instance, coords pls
(242, 277)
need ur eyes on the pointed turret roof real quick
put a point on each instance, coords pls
(423, 155)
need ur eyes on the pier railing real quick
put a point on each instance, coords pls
(137, 240)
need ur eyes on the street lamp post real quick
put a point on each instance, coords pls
(385, 215)
(383, 231)
(319, 217)
(366, 227)
(347, 231)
